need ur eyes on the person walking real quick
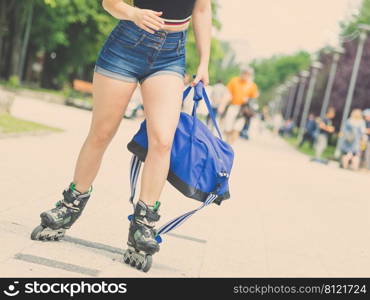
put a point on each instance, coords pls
(241, 88)
(353, 132)
(147, 46)
(247, 113)
(219, 96)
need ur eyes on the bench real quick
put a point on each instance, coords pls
(81, 89)
(6, 101)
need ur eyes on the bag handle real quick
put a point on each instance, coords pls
(169, 226)
(199, 94)
(135, 166)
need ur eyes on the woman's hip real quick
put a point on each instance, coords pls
(131, 49)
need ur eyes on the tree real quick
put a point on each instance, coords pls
(270, 73)
(66, 36)
(361, 97)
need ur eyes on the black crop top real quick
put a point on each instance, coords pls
(175, 12)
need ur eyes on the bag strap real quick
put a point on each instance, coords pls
(169, 226)
(186, 93)
(210, 110)
(199, 94)
(135, 166)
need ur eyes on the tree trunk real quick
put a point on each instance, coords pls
(3, 29)
(48, 72)
(17, 30)
(25, 40)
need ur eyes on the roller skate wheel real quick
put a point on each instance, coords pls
(126, 260)
(127, 257)
(35, 234)
(139, 265)
(133, 263)
(147, 263)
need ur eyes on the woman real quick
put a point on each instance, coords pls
(353, 133)
(148, 47)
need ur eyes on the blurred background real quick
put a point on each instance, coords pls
(51, 46)
(301, 140)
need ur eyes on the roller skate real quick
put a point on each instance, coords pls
(56, 221)
(142, 242)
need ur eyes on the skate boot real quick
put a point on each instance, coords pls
(141, 239)
(56, 221)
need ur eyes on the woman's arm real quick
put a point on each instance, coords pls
(146, 19)
(202, 25)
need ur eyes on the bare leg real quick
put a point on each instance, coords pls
(233, 136)
(355, 162)
(228, 136)
(345, 161)
(110, 99)
(162, 105)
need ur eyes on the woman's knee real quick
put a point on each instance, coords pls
(160, 144)
(101, 137)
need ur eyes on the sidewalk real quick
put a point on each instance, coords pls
(286, 217)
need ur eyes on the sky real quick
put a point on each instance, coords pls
(261, 28)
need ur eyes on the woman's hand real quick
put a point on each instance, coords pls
(202, 74)
(147, 19)
(202, 25)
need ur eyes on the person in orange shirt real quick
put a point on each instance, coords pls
(241, 88)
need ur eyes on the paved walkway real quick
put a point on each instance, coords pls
(287, 216)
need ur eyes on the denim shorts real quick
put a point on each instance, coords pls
(132, 54)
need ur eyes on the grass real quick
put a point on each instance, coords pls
(67, 92)
(8, 85)
(10, 124)
(306, 149)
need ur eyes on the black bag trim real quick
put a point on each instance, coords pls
(172, 178)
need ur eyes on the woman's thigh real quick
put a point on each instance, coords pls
(110, 99)
(162, 96)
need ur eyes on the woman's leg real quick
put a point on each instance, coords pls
(355, 162)
(162, 95)
(367, 156)
(345, 161)
(110, 99)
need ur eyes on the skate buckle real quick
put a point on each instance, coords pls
(158, 239)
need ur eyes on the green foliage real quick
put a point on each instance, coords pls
(218, 52)
(306, 149)
(13, 82)
(274, 71)
(350, 36)
(363, 17)
(66, 36)
(216, 70)
(75, 34)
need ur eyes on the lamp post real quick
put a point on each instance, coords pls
(302, 86)
(291, 97)
(364, 29)
(279, 101)
(284, 104)
(329, 88)
(275, 102)
(316, 66)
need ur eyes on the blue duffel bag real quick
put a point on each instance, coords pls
(200, 162)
